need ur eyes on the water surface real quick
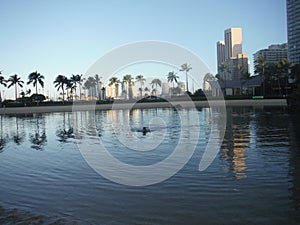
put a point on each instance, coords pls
(254, 179)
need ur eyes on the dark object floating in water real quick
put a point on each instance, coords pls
(144, 130)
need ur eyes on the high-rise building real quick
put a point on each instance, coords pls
(230, 52)
(274, 53)
(220, 53)
(238, 66)
(293, 29)
(233, 42)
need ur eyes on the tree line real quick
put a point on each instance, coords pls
(69, 86)
(275, 75)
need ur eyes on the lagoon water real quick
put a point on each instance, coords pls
(254, 179)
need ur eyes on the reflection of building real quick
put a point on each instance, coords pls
(293, 29)
(236, 140)
(274, 53)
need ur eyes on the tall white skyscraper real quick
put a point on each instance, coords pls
(233, 42)
(230, 53)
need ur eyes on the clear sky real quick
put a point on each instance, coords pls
(68, 36)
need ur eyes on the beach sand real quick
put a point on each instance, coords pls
(181, 104)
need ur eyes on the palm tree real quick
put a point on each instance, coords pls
(208, 78)
(295, 74)
(241, 71)
(285, 67)
(36, 78)
(60, 82)
(172, 77)
(70, 86)
(90, 85)
(141, 80)
(245, 77)
(115, 81)
(155, 83)
(271, 72)
(223, 69)
(186, 68)
(127, 79)
(28, 92)
(97, 81)
(74, 81)
(2, 82)
(259, 66)
(15, 80)
(146, 90)
(77, 79)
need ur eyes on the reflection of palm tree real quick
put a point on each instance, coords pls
(15, 80)
(3, 138)
(18, 138)
(64, 133)
(38, 139)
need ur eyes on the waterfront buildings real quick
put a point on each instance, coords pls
(274, 53)
(293, 29)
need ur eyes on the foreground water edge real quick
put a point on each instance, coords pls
(253, 180)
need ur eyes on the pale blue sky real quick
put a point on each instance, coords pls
(67, 37)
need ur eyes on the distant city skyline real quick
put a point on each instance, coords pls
(67, 37)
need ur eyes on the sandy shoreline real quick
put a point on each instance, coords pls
(70, 108)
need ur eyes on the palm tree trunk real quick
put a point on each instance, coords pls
(36, 90)
(79, 92)
(16, 91)
(187, 82)
(117, 90)
(279, 87)
(63, 93)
